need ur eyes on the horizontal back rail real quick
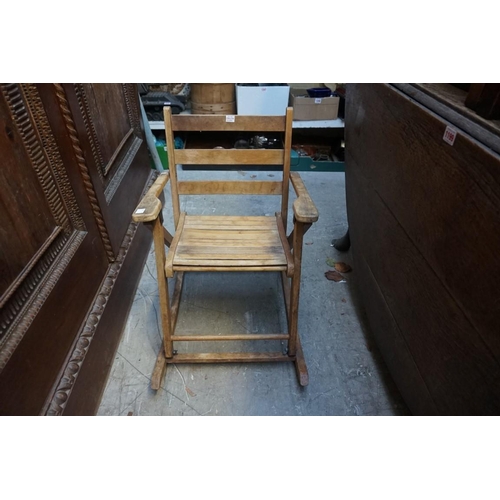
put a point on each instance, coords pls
(229, 156)
(237, 123)
(230, 187)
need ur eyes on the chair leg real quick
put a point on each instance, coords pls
(298, 235)
(165, 314)
(161, 361)
(300, 362)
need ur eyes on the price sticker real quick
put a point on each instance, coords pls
(317, 101)
(449, 135)
(230, 118)
(140, 210)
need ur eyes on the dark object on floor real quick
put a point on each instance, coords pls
(342, 244)
(334, 276)
(342, 267)
(153, 103)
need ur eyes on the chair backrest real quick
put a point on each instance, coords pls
(230, 123)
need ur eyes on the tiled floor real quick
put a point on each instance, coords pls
(347, 374)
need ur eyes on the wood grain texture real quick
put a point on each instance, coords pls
(286, 166)
(219, 123)
(225, 242)
(169, 261)
(229, 156)
(304, 209)
(284, 243)
(230, 187)
(231, 357)
(150, 206)
(160, 367)
(449, 102)
(425, 231)
(169, 134)
(221, 338)
(300, 361)
(293, 326)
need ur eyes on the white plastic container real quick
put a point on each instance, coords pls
(261, 99)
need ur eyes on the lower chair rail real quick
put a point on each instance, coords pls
(244, 336)
(230, 357)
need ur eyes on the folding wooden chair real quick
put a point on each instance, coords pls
(228, 243)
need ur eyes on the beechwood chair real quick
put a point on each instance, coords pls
(228, 243)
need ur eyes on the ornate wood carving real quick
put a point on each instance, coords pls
(80, 159)
(81, 346)
(130, 93)
(27, 293)
(89, 126)
(23, 306)
(52, 152)
(28, 132)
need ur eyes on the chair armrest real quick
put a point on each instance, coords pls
(150, 206)
(304, 208)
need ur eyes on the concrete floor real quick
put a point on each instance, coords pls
(346, 372)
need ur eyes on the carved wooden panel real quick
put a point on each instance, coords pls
(113, 142)
(106, 119)
(73, 169)
(39, 219)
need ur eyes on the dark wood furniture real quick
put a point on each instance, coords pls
(228, 243)
(423, 200)
(74, 165)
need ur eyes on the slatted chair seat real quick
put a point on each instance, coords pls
(227, 243)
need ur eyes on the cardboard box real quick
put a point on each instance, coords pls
(310, 108)
(262, 100)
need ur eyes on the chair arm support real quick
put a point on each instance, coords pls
(150, 206)
(304, 208)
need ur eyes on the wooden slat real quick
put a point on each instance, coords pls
(219, 123)
(229, 156)
(244, 336)
(232, 268)
(235, 218)
(284, 244)
(230, 234)
(207, 242)
(230, 187)
(230, 227)
(173, 247)
(208, 261)
(239, 252)
(230, 357)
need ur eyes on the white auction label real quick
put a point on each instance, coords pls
(230, 118)
(317, 101)
(449, 135)
(140, 210)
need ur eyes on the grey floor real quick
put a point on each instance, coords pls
(346, 372)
